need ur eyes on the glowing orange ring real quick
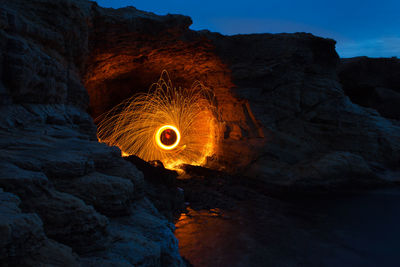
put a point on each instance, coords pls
(160, 131)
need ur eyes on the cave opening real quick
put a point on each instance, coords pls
(170, 124)
(121, 65)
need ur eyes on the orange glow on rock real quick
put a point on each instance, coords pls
(122, 64)
(174, 125)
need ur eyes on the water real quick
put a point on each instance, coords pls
(348, 230)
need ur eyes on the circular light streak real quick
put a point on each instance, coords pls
(167, 137)
(171, 124)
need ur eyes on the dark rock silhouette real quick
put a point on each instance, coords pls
(373, 83)
(161, 187)
(67, 199)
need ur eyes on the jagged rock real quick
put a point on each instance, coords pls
(51, 254)
(281, 107)
(23, 241)
(343, 166)
(373, 82)
(279, 95)
(67, 219)
(144, 238)
(21, 233)
(109, 161)
(70, 221)
(110, 195)
(48, 144)
(121, 168)
(291, 86)
(335, 169)
(31, 73)
(161, 187)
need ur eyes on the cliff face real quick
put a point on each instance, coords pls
(79, 201)
(373, 83)
(286, 120)
(314, 134)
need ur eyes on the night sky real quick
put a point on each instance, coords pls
(361, 27)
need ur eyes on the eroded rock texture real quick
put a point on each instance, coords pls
(23, 241)
(284, 116)
(373, 82)
(281, 103)
(291, 84)
(66, 200)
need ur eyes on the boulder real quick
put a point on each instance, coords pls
(161, 187)
(23, 241)
(373, 83)
(21, 233)
(143, 239)
(110, 195)
(66, 218)
(335, 169)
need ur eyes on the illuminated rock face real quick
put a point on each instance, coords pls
(279, 96)
(127, 57)
(173, 125)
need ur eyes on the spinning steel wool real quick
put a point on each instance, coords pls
(173, 125)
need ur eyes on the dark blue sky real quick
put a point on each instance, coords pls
(361, 27)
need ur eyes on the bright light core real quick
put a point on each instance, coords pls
(167, 137)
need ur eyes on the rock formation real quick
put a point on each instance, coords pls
(281, 103)
(67, 199)
(373, 83)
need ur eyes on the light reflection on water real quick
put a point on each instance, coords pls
(358, 230)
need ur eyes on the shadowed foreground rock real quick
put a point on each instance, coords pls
(161, 187)
(66, 200)
(23, 241)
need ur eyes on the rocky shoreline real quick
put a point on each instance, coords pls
(287, 110)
